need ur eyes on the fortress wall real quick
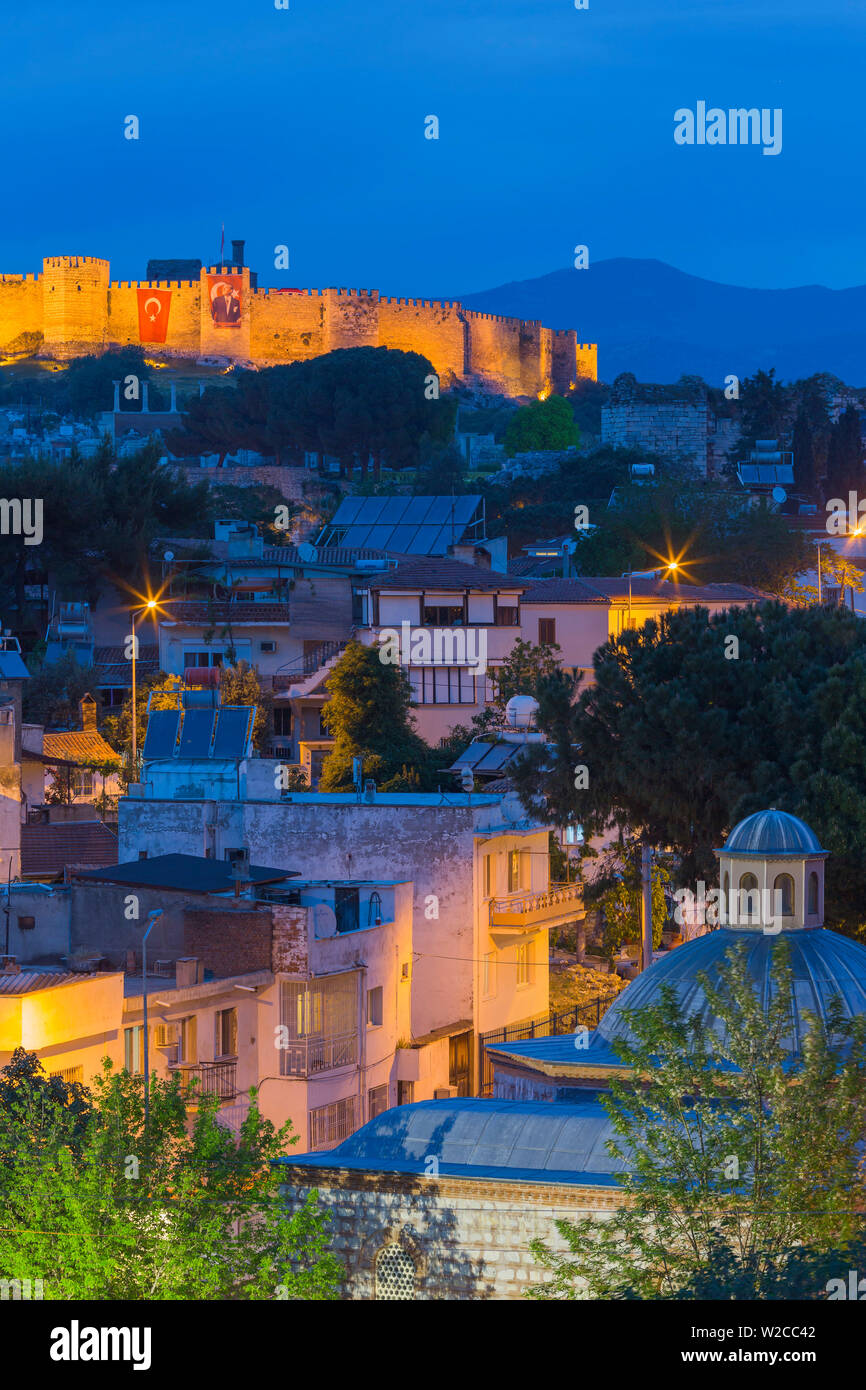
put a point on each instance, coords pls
(183, 318)
(434, 329)
(287, 327)
(80, 312)
(20, 307)
(74, 305)
(505, 354)
(351, 319)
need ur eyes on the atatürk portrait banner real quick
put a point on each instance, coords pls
(225, 300)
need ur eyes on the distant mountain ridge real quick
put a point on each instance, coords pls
(656, 321)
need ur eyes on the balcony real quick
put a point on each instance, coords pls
(213, 1078)
(312, 1056)
(525, 912)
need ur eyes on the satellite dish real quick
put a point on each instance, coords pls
(324, 921)
(779, 494)
(307, 551)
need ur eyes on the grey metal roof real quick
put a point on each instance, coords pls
(28, 981)
(825, 965)
(520, 1140)
(184, 872)
(412, 525)
(772, 833)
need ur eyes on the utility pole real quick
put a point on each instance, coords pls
(152, 917)
(646, 915)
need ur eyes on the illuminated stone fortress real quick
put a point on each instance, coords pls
(74, 308)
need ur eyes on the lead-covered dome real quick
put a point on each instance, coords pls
(825, 966)
(773, 834)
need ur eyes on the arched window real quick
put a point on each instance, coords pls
(749, 906)
(395, 1273)
(812, 899)
(784, 885)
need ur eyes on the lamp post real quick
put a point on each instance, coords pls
(152, 917)
(148, 608)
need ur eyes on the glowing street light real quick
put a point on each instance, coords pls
(149, 605)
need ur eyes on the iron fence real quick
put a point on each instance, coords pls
(554, 1025)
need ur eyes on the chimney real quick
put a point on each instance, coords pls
(238, 253)
(188, 971)
(87, 711)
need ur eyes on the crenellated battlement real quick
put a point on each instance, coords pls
(74, 308)
(73, 262)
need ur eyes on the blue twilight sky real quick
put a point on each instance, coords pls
(306, 127)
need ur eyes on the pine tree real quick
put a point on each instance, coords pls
(803, 449)
(845, 456)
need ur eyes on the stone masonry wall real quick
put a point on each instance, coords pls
(468, 1238)
(679, 427)
(79, 310)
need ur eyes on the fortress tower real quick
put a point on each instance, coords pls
(74, 305)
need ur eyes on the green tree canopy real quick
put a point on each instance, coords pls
(547, 424)
(697, 720)
(97, 1205)
(368, 714)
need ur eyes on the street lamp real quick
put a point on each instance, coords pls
(148, 608)
(153, 916)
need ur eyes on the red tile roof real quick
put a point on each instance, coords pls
(239, 614)
(47, 849)
(432, 572)
(81, 745)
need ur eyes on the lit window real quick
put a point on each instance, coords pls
(377, 1101)
(226, 1033)
(133, 1050)
(513, 870)
(526, 964)
(488, 975)
(374, 1007)
(489, 880)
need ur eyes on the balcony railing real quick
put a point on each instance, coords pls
(214, 1078)
(523, 910)
(309, 1056)
(294, 671)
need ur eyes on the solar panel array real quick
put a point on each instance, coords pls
(199, 733)
(407, 525)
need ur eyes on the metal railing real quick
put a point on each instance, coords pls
(558, 894)
(309, 1056)
(306, 665)
(214, 1078)
(554, 1025)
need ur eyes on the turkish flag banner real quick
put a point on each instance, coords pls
(153, 309)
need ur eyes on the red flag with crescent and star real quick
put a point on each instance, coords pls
(153, 309)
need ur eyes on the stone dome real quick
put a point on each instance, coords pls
(772, 834)
(824, 965)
